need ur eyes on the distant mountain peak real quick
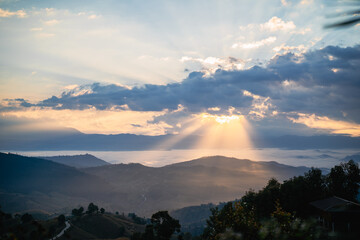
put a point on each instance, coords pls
(79, 161)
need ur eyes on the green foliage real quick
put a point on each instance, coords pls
(233, 216)
(285, 226)
(282, 211)
(343, 180)
(164, 225)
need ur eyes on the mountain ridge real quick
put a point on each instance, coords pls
(133, 187)
(77, 161)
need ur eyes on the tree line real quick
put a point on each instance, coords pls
(282, 210)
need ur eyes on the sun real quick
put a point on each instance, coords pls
(221, 119)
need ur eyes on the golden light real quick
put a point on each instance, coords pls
(224, 131)
(218, 135)
(222, 118)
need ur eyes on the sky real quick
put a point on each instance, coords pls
(214, 67)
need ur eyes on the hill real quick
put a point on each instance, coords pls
(102, 226)
(78, 161)
(355, 158)
(87, 226)
(36, 184)
(209, 179)
(193, 218)
(31, 183)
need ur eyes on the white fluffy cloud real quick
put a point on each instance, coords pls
(277, 24)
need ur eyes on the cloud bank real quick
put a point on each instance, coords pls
(308, 88)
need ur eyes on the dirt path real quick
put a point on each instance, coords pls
(67, 226)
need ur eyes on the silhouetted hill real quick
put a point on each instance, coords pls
(78, 161)
(102, 226)
(193, 219)
(32, 183)
(87, 226)
(208, 179)
(355, 157)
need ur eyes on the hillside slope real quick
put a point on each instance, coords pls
(102, 226)
(78, 161)
(37, 184)
(205, 180)
(28, 183)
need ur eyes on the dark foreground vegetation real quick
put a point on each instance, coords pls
(90, 223)
(283, 211)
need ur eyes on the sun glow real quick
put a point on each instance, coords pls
(224, 132)
(222, 119)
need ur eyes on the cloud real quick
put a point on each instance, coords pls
(51, 22)
(255, 44)
(45, 35)
(277, 24)
(327, 124)
(93, 16)
(284, 3)
(7, 13)
(36, 29)
(93, 121)
(210, 65)
(71, 87)
(323, 82)
(287, 49)
(306, 2)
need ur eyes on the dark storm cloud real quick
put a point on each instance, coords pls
(325, 82)
(196, 93)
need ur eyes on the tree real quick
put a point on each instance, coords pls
(149, 233)
(102, 210)
(77, 212)
(92, 208)
(136, 236)
(285, 226)
(61, 219)
(344, 180)
(237, 217)
(164, 225)
(26, 218)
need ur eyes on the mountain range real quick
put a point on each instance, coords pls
(78, 161)
(29, 183)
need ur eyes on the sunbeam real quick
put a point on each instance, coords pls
(224, 132)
